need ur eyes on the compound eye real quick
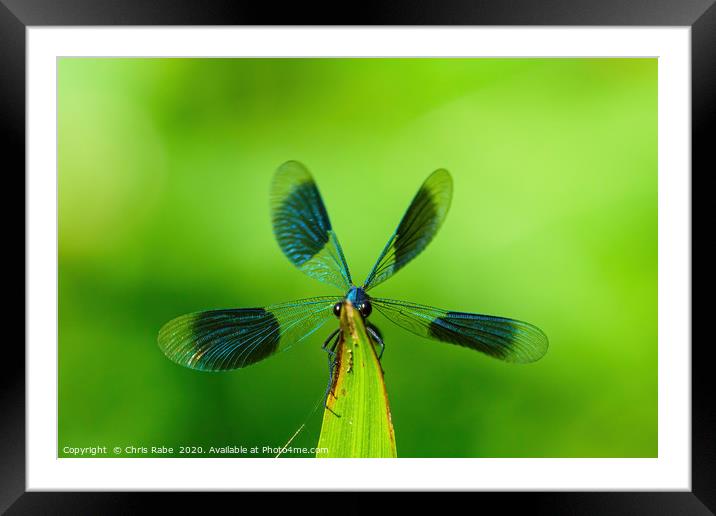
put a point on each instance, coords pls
(337, 309)
(366, 309)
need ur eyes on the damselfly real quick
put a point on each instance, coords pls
(219, 340)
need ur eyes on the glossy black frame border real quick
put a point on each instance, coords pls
(16, 15)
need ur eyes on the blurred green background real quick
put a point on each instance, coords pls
(164, 171)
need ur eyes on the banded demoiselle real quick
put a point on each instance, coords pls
(218, 340)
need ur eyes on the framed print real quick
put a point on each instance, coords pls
(531, 173)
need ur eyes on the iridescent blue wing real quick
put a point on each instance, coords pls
(302, 228)
(499, 337)
(219, 340)
(419, 225)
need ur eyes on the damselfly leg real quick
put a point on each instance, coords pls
(377, 337)
(329, 346)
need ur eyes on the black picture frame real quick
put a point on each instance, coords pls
(17, 15)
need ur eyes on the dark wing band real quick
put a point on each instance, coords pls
(419, 225)
(219, 340)
(499, 337)
(302, 227)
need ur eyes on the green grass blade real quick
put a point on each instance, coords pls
(360, 422)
